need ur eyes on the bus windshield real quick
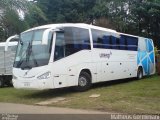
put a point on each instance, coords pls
(31, 52)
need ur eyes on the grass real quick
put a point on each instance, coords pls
(125, 96)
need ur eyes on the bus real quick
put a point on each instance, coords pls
(78, 55)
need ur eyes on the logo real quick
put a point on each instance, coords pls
(105, 55)
(26, 73)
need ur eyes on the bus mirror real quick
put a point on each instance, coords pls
(45, 37)
(9, 39)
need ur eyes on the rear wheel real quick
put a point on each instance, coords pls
(84, 82)
(1, 82)
(140, 73)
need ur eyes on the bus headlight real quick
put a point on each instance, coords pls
(44, 76)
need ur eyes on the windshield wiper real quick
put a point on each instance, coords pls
(20, 62)
(21, 59)
(28, 51)
(28, 54)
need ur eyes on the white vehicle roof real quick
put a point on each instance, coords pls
(130, 35)
(82, 25)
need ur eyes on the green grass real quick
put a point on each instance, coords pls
(128, 96)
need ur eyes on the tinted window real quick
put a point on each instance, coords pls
(59, 46)
(101, 39)
(70, 41)
(132, 43)
(128, 43)
(122, 43)
(115, 42)
(76, 39)
(106, 40)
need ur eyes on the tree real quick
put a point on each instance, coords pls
(137, 17)
(58, 11)
(12, 16)
(9, 17)
(147, 14)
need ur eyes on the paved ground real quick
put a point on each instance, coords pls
(10, 111)
(30, 109)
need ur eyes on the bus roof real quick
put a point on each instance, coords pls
(130, 35)
(82, 25)
(127, 34)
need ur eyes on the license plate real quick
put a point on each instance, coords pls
(26, 84)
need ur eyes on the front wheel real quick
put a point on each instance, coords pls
(84, 82)
(140, 74)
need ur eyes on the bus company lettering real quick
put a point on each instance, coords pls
(105, 55)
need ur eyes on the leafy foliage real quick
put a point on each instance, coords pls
(12, 13)
(137, 17)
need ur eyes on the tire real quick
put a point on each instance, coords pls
(140, 73)
(8, 81)
(84, 82)
(1, 82)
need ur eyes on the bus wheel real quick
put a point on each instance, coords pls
(84, 82)
(140, 73)
(1, 82)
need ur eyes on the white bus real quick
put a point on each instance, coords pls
(63, 55)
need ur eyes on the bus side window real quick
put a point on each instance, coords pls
(117, 43)
(97, 38)
(99, 42)
(114, 42)
(101, 39)
(132, 43)
(122, 43)
(106, 42)
(59, 46)
(76, 39)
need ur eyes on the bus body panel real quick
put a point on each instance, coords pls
(112, 66)
(146, 57)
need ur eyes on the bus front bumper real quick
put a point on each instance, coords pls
(32, 84)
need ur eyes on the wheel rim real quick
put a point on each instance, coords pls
(82, 81)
